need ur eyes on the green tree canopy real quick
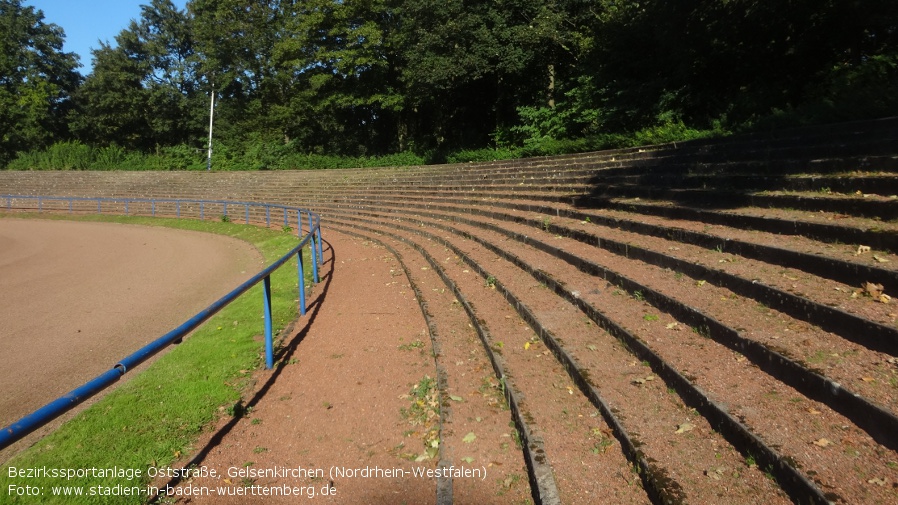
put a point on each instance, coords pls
(36, 80)
(373, 77)
(145, 91)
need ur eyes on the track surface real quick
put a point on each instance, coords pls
(75, 297)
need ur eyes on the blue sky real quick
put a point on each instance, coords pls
(88, 21)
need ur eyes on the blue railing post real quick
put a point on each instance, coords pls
(126, 206)
(225, 209)
(154, 208)
(269, 344)
(267, 216)
(99, 208)
(179, 209)
(40, 204)
(201, 211)
(302, 283)
(299, 223)
(70, 205)
(314, 252)
(285, 217)
(247, 213)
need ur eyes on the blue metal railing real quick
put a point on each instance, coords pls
(54, 409)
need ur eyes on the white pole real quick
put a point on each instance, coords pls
(211, 113)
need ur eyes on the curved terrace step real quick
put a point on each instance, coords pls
(662, 350)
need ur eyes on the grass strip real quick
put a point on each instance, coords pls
(152, 419)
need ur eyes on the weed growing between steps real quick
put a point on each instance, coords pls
(152, 419)
(423, 415)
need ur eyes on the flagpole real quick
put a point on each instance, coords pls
(211, 114)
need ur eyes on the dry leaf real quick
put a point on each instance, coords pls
(872, 290)
(880, 258)
(716, 473)
(877, 481)
(861, 249)
(456, 398)
(867, 379)
(884, 298)
(526, 345)
(470, 437)
(683, 428)
(822, 442)
(813, 411)
(700, 283)
(672, 326)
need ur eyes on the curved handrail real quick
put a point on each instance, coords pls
(19, 429)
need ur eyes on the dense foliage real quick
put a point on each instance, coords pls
(303, 83)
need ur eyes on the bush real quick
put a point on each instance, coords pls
(482, 155)
(265, 155)
(71, 155)
(108, 158)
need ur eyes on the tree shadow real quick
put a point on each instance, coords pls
(757, 170)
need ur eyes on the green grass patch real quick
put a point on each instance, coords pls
(154, 418)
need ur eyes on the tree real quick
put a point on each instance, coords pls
(36, 80)
(734, 61)
(144, 92)
(341, 65)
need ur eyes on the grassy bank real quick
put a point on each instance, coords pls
(73, 155)
(153, 418)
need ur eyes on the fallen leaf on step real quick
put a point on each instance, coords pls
(880, 258)
(822, 442)
(872, 290)
(683, 428)
(861, 249)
